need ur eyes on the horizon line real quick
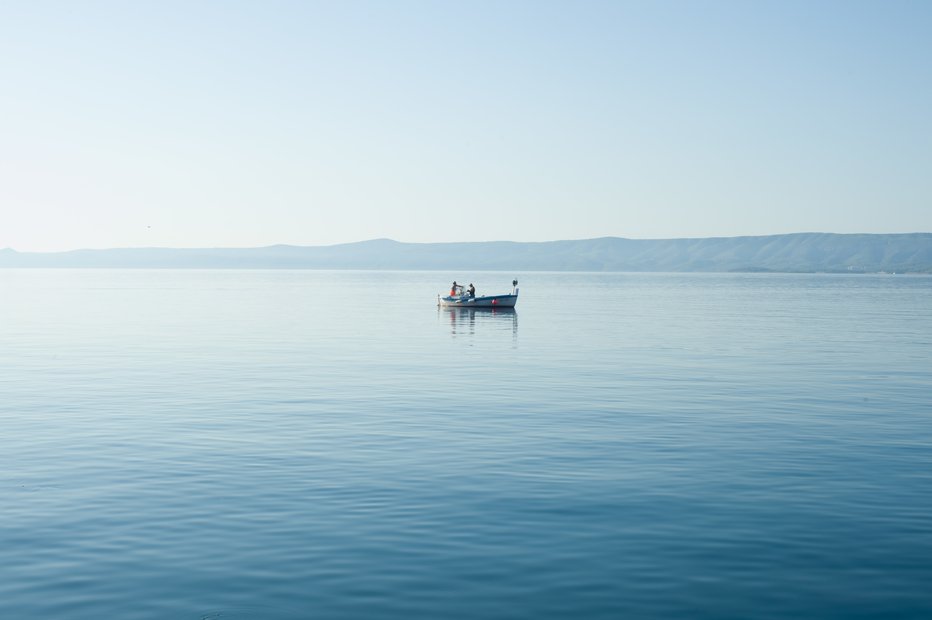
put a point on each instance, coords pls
(387, 239)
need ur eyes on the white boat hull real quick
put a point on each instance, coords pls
(485, 301)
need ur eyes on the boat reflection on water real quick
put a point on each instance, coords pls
(473, 321)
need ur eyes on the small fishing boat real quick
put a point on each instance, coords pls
(462, 299)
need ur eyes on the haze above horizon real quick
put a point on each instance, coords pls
(243, 125)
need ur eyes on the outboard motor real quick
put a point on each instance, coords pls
(514, 285)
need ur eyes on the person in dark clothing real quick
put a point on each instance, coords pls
(471, 290)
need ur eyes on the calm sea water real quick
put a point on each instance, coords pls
(302, 444)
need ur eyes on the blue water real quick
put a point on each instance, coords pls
(303, 444)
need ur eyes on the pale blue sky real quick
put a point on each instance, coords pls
(202, 124)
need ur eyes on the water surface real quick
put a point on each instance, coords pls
(305, 444)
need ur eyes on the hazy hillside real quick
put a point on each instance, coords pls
(803, 252)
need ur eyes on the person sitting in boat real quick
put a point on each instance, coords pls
(471, 290)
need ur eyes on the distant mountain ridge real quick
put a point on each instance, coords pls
(796, 253)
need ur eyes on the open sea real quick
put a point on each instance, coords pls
(214, 445)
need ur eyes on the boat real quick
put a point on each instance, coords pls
(462, 299)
